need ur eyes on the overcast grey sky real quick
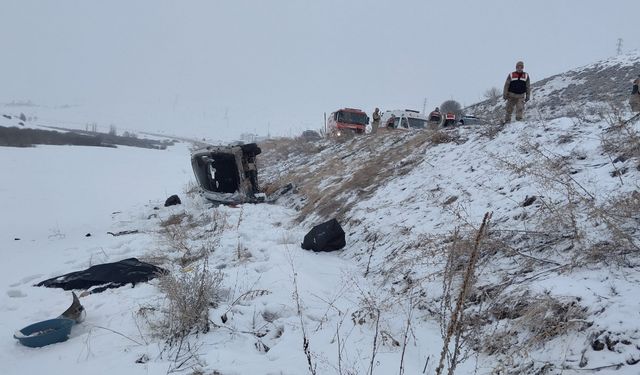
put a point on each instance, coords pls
(218, 68)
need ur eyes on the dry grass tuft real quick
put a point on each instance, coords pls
(190, 294)
(620, 217)
(175, 220)
(192, 189)
(194, 237)
(372, 160)
(538, 318)
(321, 182)
(442, 136)
(518, 323)
(622, 142)
(282, 148)
(453, 312)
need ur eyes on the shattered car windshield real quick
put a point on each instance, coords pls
(417, 123)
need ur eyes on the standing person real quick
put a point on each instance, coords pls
(517, 91)
(634, 99)
(435, 115)
(376, 121)
(391, 122)
(435, 118)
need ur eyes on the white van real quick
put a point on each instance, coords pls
(403, 119)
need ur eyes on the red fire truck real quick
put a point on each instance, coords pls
(347, 121)
(449, 119)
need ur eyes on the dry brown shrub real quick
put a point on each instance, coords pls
(493, 126)
(564, 218)
(546, 317)
(190, 294)
(602, 251)
(622, 142)
(626, 206)
(192, 188)
(175, 230)
(323, 185)
(499, 343)
(612, 113)
(441, 136)
(269, 188)
(191, 290)
(194, 237)
(534, 320)
(155, 258)
(454, 324)
(282, 148)
(620, 216)
(375, 161)
(175, 219)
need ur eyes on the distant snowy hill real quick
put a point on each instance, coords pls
(583, 91)
(27, 114)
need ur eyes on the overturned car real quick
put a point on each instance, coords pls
(228, 174)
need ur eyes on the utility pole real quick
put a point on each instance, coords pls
(424, 105)
(325, 124)
(619, 49)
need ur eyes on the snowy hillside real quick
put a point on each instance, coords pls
(583, 92)
(516, 245)
(556, 267)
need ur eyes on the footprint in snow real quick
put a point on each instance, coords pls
(269, 338)
(15, 293)
(26, 280)
(262, 268)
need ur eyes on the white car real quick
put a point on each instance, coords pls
(403, 119)
(471, 120)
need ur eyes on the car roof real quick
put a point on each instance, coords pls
(406, 113)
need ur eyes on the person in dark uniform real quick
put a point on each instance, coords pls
(517, 91)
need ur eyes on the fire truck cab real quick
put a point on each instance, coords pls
(449, 119)
(347, 121)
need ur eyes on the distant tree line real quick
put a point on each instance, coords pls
(16, 137)
(20, 137)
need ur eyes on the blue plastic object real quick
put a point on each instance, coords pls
(45, 332)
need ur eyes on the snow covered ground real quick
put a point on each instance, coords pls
(54, 196)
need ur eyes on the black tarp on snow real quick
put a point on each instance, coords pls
(327, 236)
(105, 276)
